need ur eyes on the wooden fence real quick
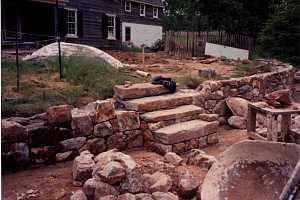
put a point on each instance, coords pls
(193, 43)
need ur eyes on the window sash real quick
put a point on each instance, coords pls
(155, 12)
(142, 9)
(128, 6)
(71, 22)
(111, 27)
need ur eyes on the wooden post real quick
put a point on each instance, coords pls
(285, 126)
(272, 134)
(18, 27)
(58, 40)
(143, 55)
(251, 121)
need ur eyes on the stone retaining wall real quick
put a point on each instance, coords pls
(253, 88)
(63, 132)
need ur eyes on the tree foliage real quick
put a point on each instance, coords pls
(280, 38)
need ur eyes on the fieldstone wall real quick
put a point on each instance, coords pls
(212, 94)
(63, 132)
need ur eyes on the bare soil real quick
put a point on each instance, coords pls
(54, 182)
(161, 63)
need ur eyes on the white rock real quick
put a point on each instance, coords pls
(70, 49)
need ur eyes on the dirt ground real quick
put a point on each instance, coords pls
(54, 182)
(161, 63)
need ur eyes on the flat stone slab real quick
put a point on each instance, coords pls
(185, 131)
(175, 113)
(148, 104)
(139, 90)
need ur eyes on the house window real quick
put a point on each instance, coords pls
(127, 6)
(155, 12)
(127, 34)
(111, 27)
(71, 22)
(142, 10)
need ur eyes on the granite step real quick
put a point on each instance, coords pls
(185, 131)
(171, 114)
(139, 90)
(167, 101)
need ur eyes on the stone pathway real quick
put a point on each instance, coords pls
(172, 119)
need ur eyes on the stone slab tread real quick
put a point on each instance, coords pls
(185, 131)
(153, 103)
(170, 114)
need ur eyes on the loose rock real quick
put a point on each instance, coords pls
(160, 182)
(238, 106)
(78, 195)
(164, 196)
(83, 167)
(200, 158)
(112, 173)
(12, 131)
(237, 122)
(72, 144)
(173, 158)
(188, 185)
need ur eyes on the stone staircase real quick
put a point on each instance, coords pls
(172, 122)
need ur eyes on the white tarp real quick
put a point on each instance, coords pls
(217, 50)
(71, 49)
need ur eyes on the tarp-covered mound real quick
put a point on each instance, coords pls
(71, 49)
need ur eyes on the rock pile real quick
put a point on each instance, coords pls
(113, 175)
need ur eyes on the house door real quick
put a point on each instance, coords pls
(127, 34)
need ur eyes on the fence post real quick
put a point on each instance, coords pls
(17, 47)
(58, 40)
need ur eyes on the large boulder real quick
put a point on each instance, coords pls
(135, 182)
(95, 146)
(112, 173)
(82, 168)
(12, 131)
(78, 195)
(237, 122)
(96, 189)
(59, 114)
(72, 49)
(16, 154)
(71, 144)
(200, 158)
(188, 185)
(113, 155)
(238, 106)
(164, 196)
(128, 120)
(279, 98)
(104, 110)
(81, 122)
(173, 158)
(160, 182)
(103, 129)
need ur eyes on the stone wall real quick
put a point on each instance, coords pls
(253, 88)
(63, 132)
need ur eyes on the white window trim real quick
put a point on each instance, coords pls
(155, 13)
(114, 36)
(143, 15)
(76, 22)
(128, 2)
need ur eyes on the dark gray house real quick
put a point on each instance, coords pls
(100, 23)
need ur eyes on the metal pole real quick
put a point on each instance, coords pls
(17, 47)
(58, 40)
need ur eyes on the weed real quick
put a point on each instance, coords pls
(190, 81)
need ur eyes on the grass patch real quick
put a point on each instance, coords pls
(189, 81)
(252, 68)
(85, 79)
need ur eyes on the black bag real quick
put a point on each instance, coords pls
(166, 82)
